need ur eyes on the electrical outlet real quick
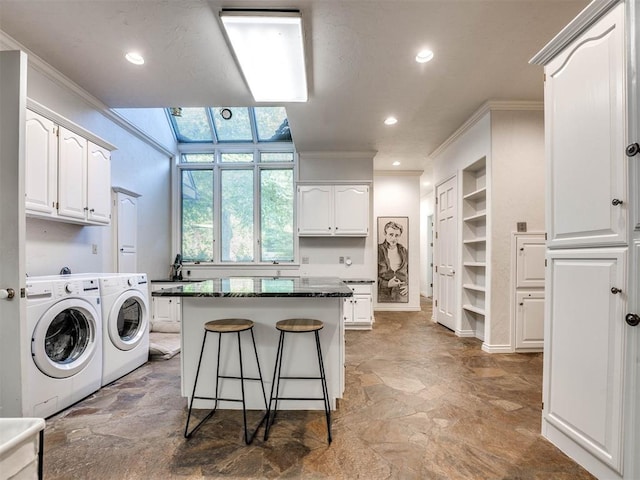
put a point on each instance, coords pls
(340, 260)
(521, 226)
(94, 248)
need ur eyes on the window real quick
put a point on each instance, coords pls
(237, 172)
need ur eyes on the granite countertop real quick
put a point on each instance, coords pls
(259, 287)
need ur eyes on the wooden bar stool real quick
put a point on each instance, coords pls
(297, 325)
(227, 325)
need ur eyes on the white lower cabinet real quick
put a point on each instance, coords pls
(529, 319)
(358, 309)
(165, 309)
(528, 254)
(584, 351)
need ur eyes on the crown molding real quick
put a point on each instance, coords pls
(579, 24)
(54, 75)
(487, 107)
(397, 173)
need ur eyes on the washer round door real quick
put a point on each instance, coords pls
(128, 320)
(64, 340)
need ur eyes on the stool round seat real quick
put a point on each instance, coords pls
(299, 325)
(226, 325)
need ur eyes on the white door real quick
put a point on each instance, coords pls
(530, 266)
(585, 123)
(315, 210)
(13, 88)
(127, 232)
(530, 319)
(351, 209)
(41, 159)
(446, 243)
(72, 175)
(98, 184)
(585, 344)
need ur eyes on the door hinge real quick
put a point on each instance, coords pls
(436, 269)
(545, 262)
(436, 303)
(436, 235)
(436, 200)
(545, 235)
(22, 293)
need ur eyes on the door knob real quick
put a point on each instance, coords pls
(615, 202)
(8, 293)
(632, 149)
(615, 290)
(632, 319)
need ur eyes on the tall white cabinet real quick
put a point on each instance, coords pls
(590, 390)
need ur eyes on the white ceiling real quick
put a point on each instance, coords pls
(360, 53)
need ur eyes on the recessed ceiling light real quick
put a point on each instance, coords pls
(134, 58)
(390, 121)
(424, 56)
(426, 184)
(396, 163)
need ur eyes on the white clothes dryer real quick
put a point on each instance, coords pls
(62, 359)
(125, 313)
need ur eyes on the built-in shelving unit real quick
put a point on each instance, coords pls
(474, 246)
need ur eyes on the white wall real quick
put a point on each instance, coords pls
(135, 165)
(512, 140)
(517, 195)
(397, 194)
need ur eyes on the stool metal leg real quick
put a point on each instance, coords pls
(188, 434)
(277, 370)
(325, 390)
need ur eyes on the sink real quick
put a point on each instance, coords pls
(21, 447)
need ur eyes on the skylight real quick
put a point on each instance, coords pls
(230, 124)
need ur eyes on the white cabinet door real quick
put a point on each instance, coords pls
(72, 176)
(98, 184)
(530, 268)
(126, 225)
(41, 169)
(530, 319)
(166, 309)
(351, 210)
(585, 129)
(362, 308)
(315, 210)
(585, 349)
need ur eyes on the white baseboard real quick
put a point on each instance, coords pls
(465, 333)
(497, 348)
(397, 309)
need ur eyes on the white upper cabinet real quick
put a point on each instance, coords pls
(315, 210)
(72, 173)
(41, 153)
(585, 126)
(351, 209)
(68, 176)
(333, 210)
(98, 184)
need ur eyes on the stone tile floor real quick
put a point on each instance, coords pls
(420, 403)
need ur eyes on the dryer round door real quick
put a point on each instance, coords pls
(64, 340)
(128, 320)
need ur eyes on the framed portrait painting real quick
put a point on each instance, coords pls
(393, 260)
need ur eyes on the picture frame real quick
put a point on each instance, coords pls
(393, 259)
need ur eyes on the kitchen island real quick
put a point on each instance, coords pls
(265, 300)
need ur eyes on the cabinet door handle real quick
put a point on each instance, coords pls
(92, 210)
(615, 290)
(632, 319)
(615, 202)
(632, 149)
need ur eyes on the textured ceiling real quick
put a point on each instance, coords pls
(360, 54)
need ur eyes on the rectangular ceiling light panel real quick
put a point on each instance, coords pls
(270, 50)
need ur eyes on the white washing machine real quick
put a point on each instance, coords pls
(62, 362)
(125, 313)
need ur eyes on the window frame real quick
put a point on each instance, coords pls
(216, 167)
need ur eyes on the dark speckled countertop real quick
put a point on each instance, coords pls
(259, 287)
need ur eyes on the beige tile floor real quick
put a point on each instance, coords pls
(420, 403)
